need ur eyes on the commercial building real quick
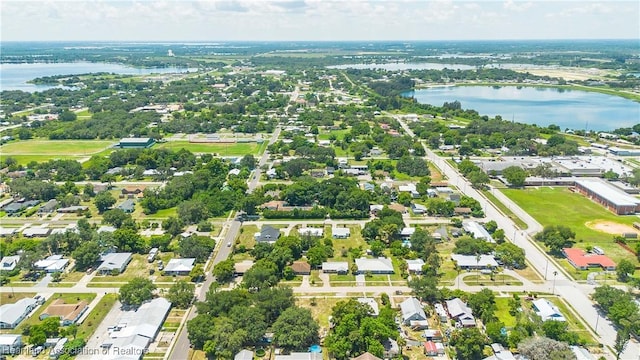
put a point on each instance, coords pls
(608, 196)
(136, 143)
(583, 261)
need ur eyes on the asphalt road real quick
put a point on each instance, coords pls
(182, 345)
(576, 294)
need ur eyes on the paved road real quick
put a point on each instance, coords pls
(181, 345)
(561, 284)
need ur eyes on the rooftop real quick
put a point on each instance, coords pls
(608, 192)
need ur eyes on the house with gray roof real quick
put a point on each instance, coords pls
(179, 266)
(468, 262)
(335, 267)
(10, 344)
(128, 206)
(340, 232)
(51, 264)
(244, 354)
(459, 311)
(9, 263)
(379, 265)
(412, 310)
(12, 314)
(48, 207)
(267, 234)
(114, 262)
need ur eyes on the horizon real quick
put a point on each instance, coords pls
(317, 20)
(312, 41)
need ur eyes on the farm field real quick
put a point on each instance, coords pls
(223, 149)
(559, 206)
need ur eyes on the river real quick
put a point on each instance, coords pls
(569, 109)
(15, 76)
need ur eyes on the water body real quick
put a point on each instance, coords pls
(405, 66)
(572, 109)
(15, 76)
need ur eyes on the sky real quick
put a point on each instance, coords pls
(313, 20)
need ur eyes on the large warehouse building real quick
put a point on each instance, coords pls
(136, 143)
(608, 196)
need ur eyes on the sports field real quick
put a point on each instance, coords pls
(224, 149)
(44, 150)
(559, 206)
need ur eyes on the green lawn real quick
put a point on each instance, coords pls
(505, 210)
(223, 149)
(96, 315)
(354, 241)
(502, 312)
(559, 206)
(7, 297)
(138, 267)
(55, 147)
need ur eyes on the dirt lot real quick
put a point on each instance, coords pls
(610, 227)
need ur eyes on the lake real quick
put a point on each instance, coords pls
(572, 109)
(15, 76)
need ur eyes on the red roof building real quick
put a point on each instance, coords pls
(583, 261)
(430, 348)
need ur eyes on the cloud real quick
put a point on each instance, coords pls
(586, 9)
(516, 6)
(231, 6)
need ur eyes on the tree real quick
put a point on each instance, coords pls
(197, 273)
(198, 247)
(483, 304)
(425, 287)
(225, 340)
(542, 348)
(622, 339)
(495, 333)
(172, 225)
(181, 294)
(86, 255)
(625, 267)
(104, 200)
(554, 329)
(129, 240)
(67, 115)
(115, 217)
(515, 175)
(556, 237)
(478, 179)
(199, 330)
(468, 343)
(511, 255)
(223, 271)
(263, 274)
(295, 329)
(137, 291)
(248, 161)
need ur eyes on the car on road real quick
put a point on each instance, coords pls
(229, 244)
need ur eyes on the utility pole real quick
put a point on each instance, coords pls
(555, 273)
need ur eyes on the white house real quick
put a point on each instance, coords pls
(340, 232)
(375, 310)
(547, 310)
(412, 310)
(335, 267)
(9, 263)
(406, 232)
(114, 262)
(459, 311)
(53, 263)
(415, 266)
(379, 265)
(10, 344)
(307, 231)
(179, 266)
(474, 262)
(12, 314)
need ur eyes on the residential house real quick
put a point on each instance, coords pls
(179, 267)
(106, 228)
(5, 232)
(432, 335)
(340, 232)
(374, 209)
(477, 231)
(132, 191)
(391, 348)
(301, 268)
(8, 263)
(234, 172)
(462, 211)
(500, 353)
(366, 356)
(473, 262)
(114, 263)
(244, 354)
(441, 312)
(406, 232)
(414, 266)
(379, 265)
(10, 344)
(430, 348)
(409, 188)
(418, 209)
(368, 187)
(547, 310)
(335, 267)
(12, 314)
(412, 310)
(581, 353)
(267, 234)
(128, 206)
(459, 311)
(72, 209)
(398, 207)
(48, 207)
(375, 310)
(51, 264)
(68, 313)
(314, 232)
(273, 205)
(38, 231)
(300, 356)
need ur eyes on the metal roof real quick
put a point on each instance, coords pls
(608, 192)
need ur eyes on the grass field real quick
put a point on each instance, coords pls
(502, 312)
(559, 206)
(228, 149)
(505, 210)
(7, 297)
(55, 147)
